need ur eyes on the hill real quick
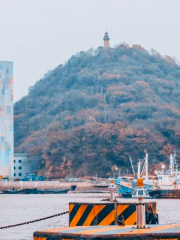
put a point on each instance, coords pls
(100, 107)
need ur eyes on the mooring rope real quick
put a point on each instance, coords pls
(33, 221)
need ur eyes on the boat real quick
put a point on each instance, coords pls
(56, 191)
(166, 184)
(168, 180)
(13, 191)
(126, 185)
(36, 191)
(165, 193)
(47, 191)
(101, 185)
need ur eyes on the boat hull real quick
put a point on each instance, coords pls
(13, 191)
(124, 187)
(165, 193)
(36, 191)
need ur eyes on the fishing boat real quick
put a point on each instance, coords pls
(168, 180)
(101, 185)
(54, 191)
(13, 191)
(36, 191)
(165, 193)
(166, 184)
(126, 185)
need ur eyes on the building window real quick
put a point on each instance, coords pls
(20, 174)
(20, 161)
(20, 167)
(14, 174)
(14, 168)
(14, 161)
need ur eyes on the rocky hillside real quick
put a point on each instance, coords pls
(100, 107)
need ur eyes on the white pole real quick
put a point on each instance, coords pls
(141, 214)
(111, 195)
(131, 164)
(171, 164)
(146, 166)
(112, 191)
(139, 169)
(140, 208)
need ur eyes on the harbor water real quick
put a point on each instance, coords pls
(22, 208)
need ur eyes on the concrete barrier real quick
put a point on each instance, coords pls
(106, 213)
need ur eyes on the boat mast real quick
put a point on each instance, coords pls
(132, 165)
(175, 165)
(171, 164)
(146, 161)
(139, 169)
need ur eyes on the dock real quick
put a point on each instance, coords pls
(112, 220)
(130, 232)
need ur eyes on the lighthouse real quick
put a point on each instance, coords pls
(106, 39)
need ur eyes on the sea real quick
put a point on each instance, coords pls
(22, 208)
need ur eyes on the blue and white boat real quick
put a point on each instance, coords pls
(123, 185)
(126, 185)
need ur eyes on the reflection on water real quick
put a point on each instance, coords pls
(19, 208)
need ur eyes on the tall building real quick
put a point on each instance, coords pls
(6, 119)
(106, 39)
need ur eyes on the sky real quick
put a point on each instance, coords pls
(39, 35)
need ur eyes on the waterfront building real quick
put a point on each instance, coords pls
(106, 40)
(6, 120)
(23, 165)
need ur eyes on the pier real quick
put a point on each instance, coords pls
(99, 221)
(113, 221)
(81, 186)
(161, 232)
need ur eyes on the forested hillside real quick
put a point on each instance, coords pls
(100, 107)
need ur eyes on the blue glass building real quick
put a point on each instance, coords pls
(6, 119)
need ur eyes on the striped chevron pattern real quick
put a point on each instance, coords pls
(89, 214)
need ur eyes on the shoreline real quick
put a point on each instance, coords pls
(80, 186)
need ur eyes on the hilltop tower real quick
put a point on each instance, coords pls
(106, 39)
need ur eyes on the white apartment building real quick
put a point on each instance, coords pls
(23, 165)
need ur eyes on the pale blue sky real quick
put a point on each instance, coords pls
(38, 35)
